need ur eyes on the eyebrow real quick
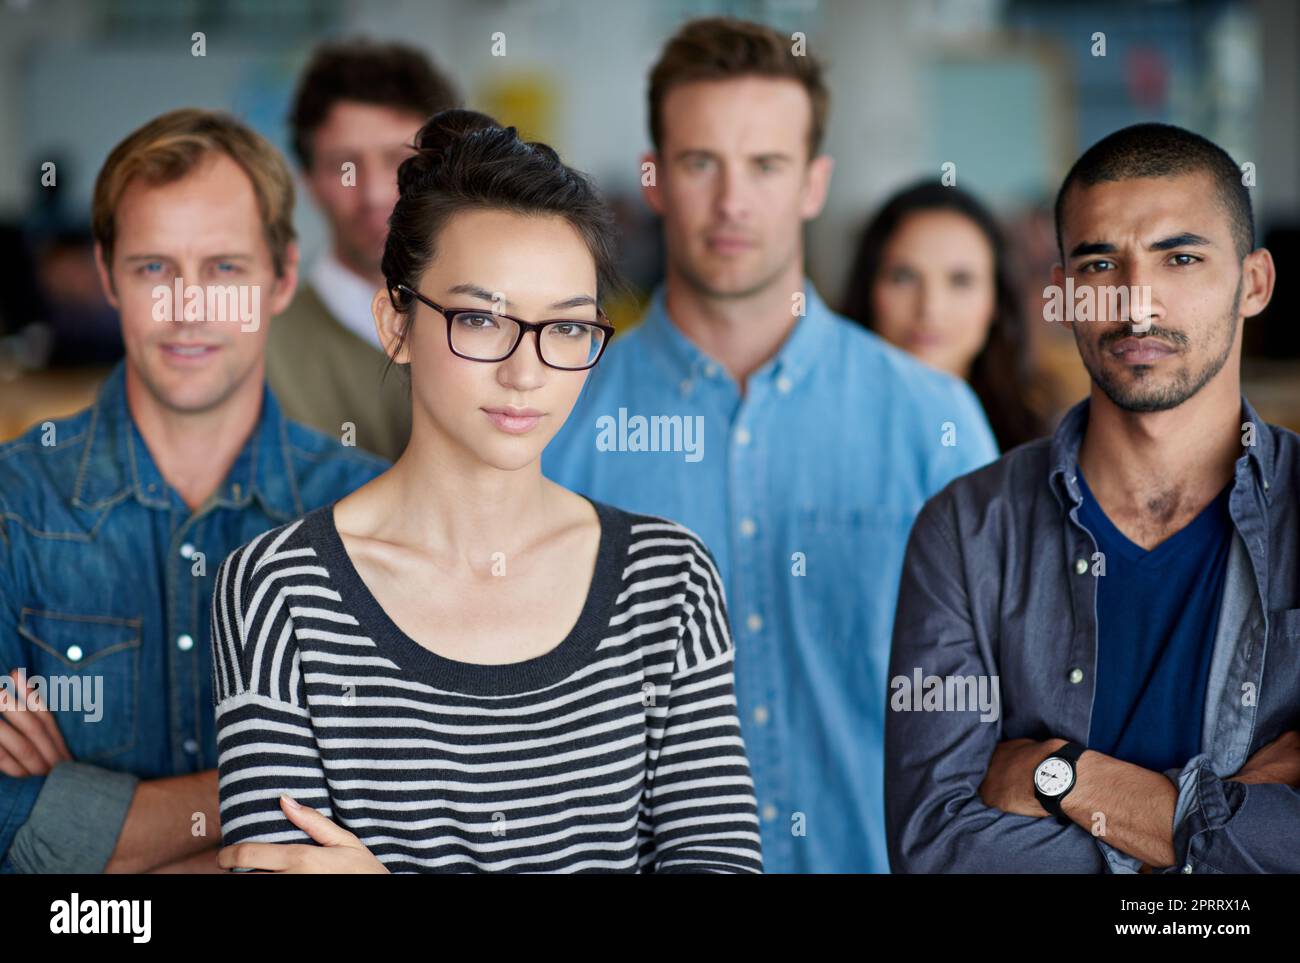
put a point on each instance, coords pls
(208, 257)
(1185, 239)
(483, 294)
(701, 152)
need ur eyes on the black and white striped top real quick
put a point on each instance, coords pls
(618, 750)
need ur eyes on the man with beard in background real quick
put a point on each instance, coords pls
(1131, 582)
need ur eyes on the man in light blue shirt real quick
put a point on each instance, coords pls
(797, 445)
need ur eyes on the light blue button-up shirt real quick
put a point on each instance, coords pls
(804, 488)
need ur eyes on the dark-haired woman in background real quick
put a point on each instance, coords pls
(932, 276)
(463, 666)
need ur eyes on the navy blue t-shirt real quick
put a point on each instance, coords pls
(1157, 614)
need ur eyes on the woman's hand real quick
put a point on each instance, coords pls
(339, 851)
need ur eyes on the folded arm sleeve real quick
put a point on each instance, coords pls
(935, 761)
(702, 810)
(265, 742)
(1231, 827)
(17, 799)
(75, 822)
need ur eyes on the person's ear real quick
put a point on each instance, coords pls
(105, 277)
(817, 186)
(1258, 275)
(388, 325)
(284, 286)
(650, 172)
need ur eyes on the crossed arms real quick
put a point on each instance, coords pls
(74, 821)
(959, 796)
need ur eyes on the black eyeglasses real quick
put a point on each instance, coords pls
(476, 334)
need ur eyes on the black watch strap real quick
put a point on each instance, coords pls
(1070, 752)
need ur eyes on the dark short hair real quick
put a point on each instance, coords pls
(466, 161)
(723, 48)
(1163, 150)
(384, 74)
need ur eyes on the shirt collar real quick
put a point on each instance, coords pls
(116, 462)
(1261, 452)
(1069, 436)
(809, 340)
(1065, 452)
(345, 296)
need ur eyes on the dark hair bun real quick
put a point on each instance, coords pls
(464, 160)
(447, 127)
(440, 139)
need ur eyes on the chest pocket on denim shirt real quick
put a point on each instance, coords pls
(847, 598)
(1279, 695)
(91, 668)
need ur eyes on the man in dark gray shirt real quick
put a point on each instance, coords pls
(1000, 588)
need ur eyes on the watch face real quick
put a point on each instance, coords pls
(1053, 776)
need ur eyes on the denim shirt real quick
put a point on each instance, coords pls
(106, 580)
(1000, 580)
(804, 488)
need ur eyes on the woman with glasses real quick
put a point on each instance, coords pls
(461, 666)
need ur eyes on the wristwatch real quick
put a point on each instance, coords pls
(1054, 778)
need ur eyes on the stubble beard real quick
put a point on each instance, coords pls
(1138, 396)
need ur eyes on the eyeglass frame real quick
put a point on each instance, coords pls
(524, 327)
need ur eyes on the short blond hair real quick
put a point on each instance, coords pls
(174, 144)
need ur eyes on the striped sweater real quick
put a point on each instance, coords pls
(617, 751)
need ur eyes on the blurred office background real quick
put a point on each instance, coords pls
(1010, 91)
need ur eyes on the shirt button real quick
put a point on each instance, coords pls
(1187, 868)
(783, 385)
(1081, 565)
(686, 386)
(747, 527)
(187, 550)
(74, 653)
(710, 369)
(769, 813)
(760, 715)
(1076, 676)
(185, 642)
(190, 746)
(755, 622)
(742, 436)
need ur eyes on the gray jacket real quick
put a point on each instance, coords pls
(999, 585)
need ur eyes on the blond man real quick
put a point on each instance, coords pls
(114, 520)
